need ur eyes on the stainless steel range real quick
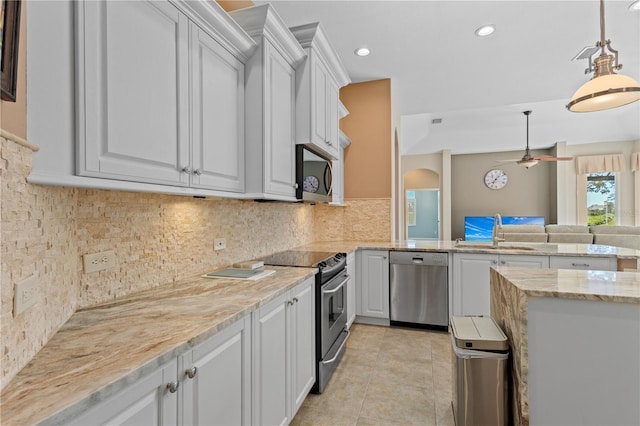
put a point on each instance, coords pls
(331, 306)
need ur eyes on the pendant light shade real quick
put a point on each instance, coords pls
(606, 89)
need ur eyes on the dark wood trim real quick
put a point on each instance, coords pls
(10, 38)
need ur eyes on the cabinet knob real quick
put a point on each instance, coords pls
(494, 262)
(295, 299)
(187, 170)
(503, 262)
(197, 172)
(191, 373)
(289, 302)
(173, 386)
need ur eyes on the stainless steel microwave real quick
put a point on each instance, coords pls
(313, 176)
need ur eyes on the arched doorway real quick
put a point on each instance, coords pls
(422, 205)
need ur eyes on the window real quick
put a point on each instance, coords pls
(601, 198)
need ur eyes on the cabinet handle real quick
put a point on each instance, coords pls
(289, 302)
(173, 386)
(295, 186)
(191, 373)
(295, 299)
(586, 265)
(197, 172)
(187, 170)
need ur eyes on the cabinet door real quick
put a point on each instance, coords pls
(147, 401)
(132, 91)
(524, 261)
(374, 279)
(333, 128)
(319, 103)
(583, 262)
(303, 343)
(271, 364)
(471, 292)
(279, 131)
(217, 115)
(351, 289)
(216, 379)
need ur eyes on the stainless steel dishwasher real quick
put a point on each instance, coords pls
(418, 289)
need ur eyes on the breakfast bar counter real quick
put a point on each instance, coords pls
(575, 344)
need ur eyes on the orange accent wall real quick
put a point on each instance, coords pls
(367, 161)
(13, 115)
(230, 5)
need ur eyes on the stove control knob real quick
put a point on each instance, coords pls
(322, 264)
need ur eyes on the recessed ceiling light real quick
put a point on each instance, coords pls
(362, 51)
(635, 6)
(485, 30)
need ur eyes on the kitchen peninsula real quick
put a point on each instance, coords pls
(575, 344)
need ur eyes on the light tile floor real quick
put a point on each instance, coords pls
(388, 376)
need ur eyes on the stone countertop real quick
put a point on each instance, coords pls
(101, 348)
(607, 286)
(541, 249)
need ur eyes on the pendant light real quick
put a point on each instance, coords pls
(606, 89)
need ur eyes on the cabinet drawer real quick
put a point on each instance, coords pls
(582, 262)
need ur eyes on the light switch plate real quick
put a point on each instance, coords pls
(99, 261)
(25, 294)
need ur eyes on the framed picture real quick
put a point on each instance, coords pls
(9, 33)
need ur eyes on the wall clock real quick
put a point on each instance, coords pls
(495, 179)
(310, 184)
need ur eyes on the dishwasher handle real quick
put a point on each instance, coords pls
(418, 258)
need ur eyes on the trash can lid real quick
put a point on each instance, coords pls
(481, 333)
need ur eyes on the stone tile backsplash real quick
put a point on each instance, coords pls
(157, 239)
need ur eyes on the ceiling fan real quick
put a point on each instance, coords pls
(529, 160)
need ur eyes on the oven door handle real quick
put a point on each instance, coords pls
(338, 287)
(329, 361)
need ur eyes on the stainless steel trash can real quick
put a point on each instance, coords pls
(480, 355)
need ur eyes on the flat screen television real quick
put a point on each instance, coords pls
(479, 228)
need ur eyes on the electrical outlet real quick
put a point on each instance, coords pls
(25, 295)
(99, 261)
(220, 244)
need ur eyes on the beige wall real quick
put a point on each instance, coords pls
(367, 160)
(13, 115)
(421, 179)
(527, 192)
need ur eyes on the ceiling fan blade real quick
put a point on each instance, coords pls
(552, 158)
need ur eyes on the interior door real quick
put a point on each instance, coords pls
(426, 214)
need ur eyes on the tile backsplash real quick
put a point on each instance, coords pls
(157, 239)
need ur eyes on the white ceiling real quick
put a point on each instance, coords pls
(480, 86)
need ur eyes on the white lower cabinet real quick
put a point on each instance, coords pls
(284, 354)
(471, 292)
(215, 379)
(351, 288)
(372, 290)
(148, 401)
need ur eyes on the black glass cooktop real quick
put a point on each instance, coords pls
(298, 258)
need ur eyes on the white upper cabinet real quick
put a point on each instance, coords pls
(217, 115)
(160, 94)
(132, 91)
(318, 96)
(270, 99)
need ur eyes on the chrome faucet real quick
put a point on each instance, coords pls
(497, 226)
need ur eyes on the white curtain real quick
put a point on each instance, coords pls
(635, 161)
(600, 163)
